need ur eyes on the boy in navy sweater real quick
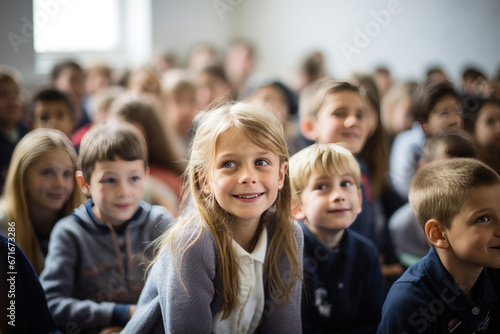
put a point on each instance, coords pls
(451, 289)
(344, 290)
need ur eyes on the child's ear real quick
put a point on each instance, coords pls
(425, 126)
(360, 197)
(307, 128)
(297, 211)
(435, 234)
(283, 169)
(81, 183)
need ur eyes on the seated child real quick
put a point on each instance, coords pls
(344, 288)
(334, 112)
(410, 241)
(436, 106)
(92, 276)
(52, 109)
(450, 290)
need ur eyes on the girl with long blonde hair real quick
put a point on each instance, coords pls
(40, 189)
(233, 263)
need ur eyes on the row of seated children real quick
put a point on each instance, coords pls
(208, 191)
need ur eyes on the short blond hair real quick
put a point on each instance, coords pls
(440, 189)
(314, 95)
(330, 159)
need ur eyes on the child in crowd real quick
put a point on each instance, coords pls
(396, 109)
(451, 290)
(334, 112)
(40, 190)
(92, 276)
(166, 166)
(231, 265)
(69, 77)
(407, 235)
(179, 94)
(344, 289)
(211, 84)
(52, 109)
(283, 103)
(12, 129)
(484, 124)
(436, 106)
(239, 64)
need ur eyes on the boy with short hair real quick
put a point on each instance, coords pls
(344, 290)
(450, 290)
(52, 109)
(334, 112)
(92, 276)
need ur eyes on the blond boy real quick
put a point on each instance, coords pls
(344, 289)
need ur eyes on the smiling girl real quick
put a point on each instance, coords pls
(40, 189)
(234, 262)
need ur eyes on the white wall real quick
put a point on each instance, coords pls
(450, 33)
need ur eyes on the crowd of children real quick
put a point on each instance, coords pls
(207, 198)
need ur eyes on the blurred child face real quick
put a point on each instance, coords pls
(447, 113)
(246, 177)
(487, 128)
(10, 103)
(72, 82)
(49, 181)
(53, 115)
(209, 88)
(341, 120)
(144, 81)
(329, 203)
(181, 108)
(402, 118)
(474, 234)
(272, 97)
(116, 188)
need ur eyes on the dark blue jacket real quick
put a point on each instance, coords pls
(426, 299)
(344, 290)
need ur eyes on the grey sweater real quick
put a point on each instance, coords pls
(166, 307)
(93, 271)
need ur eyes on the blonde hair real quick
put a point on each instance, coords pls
(264, 130)
(330, 159)
(314, 95)
(440, 188)
(15, 204)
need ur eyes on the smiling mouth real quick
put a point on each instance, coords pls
(248, 196)
(339, 211)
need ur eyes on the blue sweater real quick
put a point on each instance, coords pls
(426, 299)
(168, 305)
(93, 272)
(344, 288)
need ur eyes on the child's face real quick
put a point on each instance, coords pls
(474, 234)
(50, 180)
(116, 188)
(447, 113)
(329, 203)
(487, 128)
(341, 120)
(53, 115)
(272, 97)
(72, 82)
(209, 88)
(246, 177)
(10, 102)
(181, 108)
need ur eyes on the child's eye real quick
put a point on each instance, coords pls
(44, 118)
(61, 115)
(110, 180)
(261, 162)
(228, 164)
(483, 219)
(346, 184)
(135, 178)
(46, 172)
(360, 116)
(320, 187)
(339, 114)
(67, 174)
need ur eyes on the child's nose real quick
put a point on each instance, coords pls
(122, 189)
(350, 121)
(337, 196)
(248, 175)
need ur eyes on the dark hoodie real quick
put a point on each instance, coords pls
(94, 271)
